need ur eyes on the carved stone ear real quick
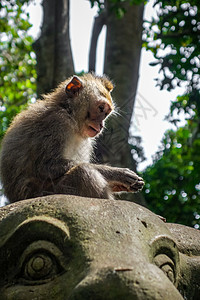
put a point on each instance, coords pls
(74, 86)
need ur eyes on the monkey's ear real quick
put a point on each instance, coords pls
(74, 86)
(107, 83)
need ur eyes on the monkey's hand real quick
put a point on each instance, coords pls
(122, 179)
(126, 180)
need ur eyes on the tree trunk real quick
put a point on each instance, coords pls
(53, 50)
(122, 59)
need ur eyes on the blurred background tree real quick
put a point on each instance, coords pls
(172, 182)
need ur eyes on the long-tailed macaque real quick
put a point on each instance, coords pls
(48, 147)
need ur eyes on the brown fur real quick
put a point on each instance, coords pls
(48, 147)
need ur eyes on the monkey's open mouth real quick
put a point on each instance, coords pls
(92, 132)
(94, 129)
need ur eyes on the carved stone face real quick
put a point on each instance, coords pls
(72, 248)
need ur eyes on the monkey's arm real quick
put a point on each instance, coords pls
(92, 180)
(118, 179)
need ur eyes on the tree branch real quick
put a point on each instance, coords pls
(97, 27)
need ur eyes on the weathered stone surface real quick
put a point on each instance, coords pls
(188, 242)
(66, 248)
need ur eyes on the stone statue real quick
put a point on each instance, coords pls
(72, 248)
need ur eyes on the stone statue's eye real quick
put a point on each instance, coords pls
(41, 261)
(40, 266)
(166, 265)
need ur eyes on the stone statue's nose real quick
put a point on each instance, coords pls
(137, 283)
(106, 284)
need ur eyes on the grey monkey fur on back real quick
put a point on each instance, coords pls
(48, 147)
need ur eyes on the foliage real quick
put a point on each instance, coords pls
(174, 38)
(172, 182)
(117, 5)
(17, 61)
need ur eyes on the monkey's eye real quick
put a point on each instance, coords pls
(101, 108)
(166, 265)
(40, 262)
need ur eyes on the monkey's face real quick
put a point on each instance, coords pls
(94, 102)
(97, 113)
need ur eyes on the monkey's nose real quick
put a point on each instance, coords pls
(104, 109)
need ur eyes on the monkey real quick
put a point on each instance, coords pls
(48, 147)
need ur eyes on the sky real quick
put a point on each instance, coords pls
(152, 105)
